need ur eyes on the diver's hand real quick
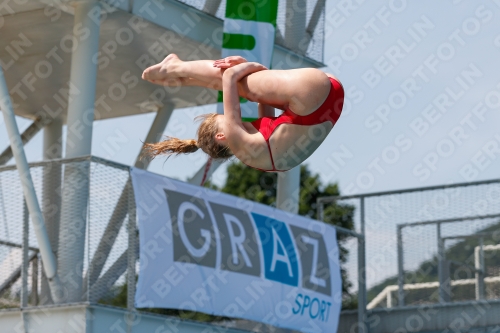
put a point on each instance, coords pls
(239, 71)
(229, 62)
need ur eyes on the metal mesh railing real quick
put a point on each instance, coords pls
(450, 260)
(13, 219)
(352, 261)
(464, 210)
(350, 270)
(103, 265)
(312, 34)
(108, 242)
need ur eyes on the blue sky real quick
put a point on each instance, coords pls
(400, 135)
(422, 104)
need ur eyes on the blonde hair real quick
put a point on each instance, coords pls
(206, 142)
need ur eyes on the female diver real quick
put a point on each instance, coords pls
(311, 100)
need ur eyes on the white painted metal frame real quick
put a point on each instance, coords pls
(50, 266)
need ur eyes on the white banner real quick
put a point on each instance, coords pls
(207, 251)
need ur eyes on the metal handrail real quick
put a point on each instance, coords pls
(90, 158)
(409, 190)
(6, 243)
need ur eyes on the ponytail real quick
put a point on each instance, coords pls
(206, 142)
(170, 147)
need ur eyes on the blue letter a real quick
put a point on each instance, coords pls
(280, 258)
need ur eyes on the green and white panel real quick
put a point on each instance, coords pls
(249, 30)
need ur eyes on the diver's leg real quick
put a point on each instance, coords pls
(202, 71)
(301, 90)
(174, 72)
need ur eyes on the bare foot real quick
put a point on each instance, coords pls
(164, 70)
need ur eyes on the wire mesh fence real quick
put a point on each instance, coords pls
(425, 216)
(350, 272)
(311, 36)
(14, 218)
(101, 268)
(108, 241)
(341, 215)
(448, 248)
(463, 271)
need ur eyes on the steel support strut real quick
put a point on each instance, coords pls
(16, 144)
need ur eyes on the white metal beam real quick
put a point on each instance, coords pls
(27, 135)
(155, 132)
(29, 189)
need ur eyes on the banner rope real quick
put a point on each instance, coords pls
(205, 173)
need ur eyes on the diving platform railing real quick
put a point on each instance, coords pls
(110, 229)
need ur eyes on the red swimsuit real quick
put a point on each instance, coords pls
(328, 111)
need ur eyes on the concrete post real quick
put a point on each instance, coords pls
(52, 140)
(83, 78)
(75, 191)
(288, 187)
(287, 196)
(52, 149)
